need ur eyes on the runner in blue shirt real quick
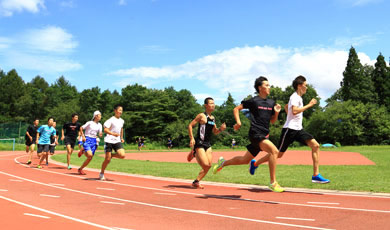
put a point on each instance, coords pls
(43, 140)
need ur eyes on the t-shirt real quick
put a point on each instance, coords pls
(294, 121)
(261, 111)
(45, 132)
(32, 130)
(53, 138)
(71, 130)
(114, 125)
(92, 129)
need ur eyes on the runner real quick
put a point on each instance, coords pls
(113, 127)
(233, 143)
(53, 143)
(43, 140)
(71, 130)
(92, 130)
(263, 111)
(202, 145)
(170, 144)
(31, 137)
(293, 130)
(139, 143)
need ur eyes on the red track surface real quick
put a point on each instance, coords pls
(135, 202)
(292, 157)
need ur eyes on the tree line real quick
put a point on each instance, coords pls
(357, 113)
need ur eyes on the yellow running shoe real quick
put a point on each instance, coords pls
(275, 187)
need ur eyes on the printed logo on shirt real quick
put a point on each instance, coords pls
(265, 108)
(211, 122)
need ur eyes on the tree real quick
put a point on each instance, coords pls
(12, 88)
(381, 79)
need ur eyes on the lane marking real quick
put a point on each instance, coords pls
(291, 218)
(323, 203)
(116, 228)
(54, 196)
(15, 180)
(162, 193)
(57, 184)
(3, 190)
(54, 213)
(169, 208)
(109, 189)
(34, 215)
(109, 202)
(216, 196)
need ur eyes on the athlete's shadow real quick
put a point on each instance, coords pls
(95, 179)
(224, 197)
(180, 186)
(57, 167)
(261, 190)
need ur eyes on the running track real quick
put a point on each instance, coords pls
(56, 198)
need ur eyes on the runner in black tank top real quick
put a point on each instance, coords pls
(202, 145)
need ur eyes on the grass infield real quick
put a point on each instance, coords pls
(368, 178)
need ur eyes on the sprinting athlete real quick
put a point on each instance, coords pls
(43, 140)
(93, 129)
(113, 127)
(70, 131)
(201, 144)
(293, 130)
(53, 143)
(31, 137)
(263, 111)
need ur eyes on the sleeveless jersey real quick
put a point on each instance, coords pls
(205, 131)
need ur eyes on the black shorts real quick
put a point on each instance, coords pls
(52, 149)
(70, 141)
(202, 144)
(108, 147)
(43, 148)
(288, 136)
(254, 146)
(29, 143)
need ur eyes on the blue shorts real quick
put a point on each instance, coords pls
(90, 144)
(80, 143)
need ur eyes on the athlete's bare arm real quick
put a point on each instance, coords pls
(277, 109)
(236, 113)
(63, 136)
(296, 110)
(197, 119)
(216, 131)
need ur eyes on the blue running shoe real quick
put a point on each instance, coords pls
(252, 167)
(319, 179)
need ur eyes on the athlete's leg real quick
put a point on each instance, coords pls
(89, 156)
(120, 153)
(315, 152)
(69, 153)
(204, 160)
(106, 161)
(267, 146)
(239, 160)
(31, 153)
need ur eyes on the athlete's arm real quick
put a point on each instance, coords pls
(277, 109)
(122, 140)
(81, 133)
(29, 136)
(37, 138)
(62, 138)
(192, 124)
(296, 110)
(216, 131)
(236, 113)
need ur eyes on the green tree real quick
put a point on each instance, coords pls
(12, 88)
(381, 79)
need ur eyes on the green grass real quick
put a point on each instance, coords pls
(372, 178)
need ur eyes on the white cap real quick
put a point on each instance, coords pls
(97, 112)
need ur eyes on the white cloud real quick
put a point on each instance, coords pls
(68, 4)
(235, 70)
(45, 50)
(50, 39)
(356, 3)
(122, 2)
(354, 41)
(8, 7)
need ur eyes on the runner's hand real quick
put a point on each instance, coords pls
(277, 108)
(62, 138)
(30, 138)
(122, 140)
(223, 127)
(313, 102)
(237, 126)
(192, 142)
(115, 134)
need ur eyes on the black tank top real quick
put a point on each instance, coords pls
(205, 131)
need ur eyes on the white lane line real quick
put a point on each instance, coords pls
(323, 203)
(108, 189)
(54, 196)
(57, 184)
(3, 190)
(211, 196)
(15, 180)
(109, 202)
(164, 193)
(291, 218)
(116, 228)
(34, 215)
(167, 207)
(55, 213)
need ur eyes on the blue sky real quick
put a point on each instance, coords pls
(208, 47)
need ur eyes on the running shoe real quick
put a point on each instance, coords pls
(101, 176)
(39, 166)
(191, 155)
(319, 179)
(275, 187)
(218, 167)
(252, 167)
(28, 162)
(47, 163)
(80, 153)
(197, 185)
(81, 172)
(69, 167)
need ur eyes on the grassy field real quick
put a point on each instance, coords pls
(373, 178)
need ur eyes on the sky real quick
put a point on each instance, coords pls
(210, 47)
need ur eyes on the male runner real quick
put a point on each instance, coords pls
(92, 130)
(113, 127)
(293, 130)
(202, 145)
(43, 140)
(263, 111)
(70, 131)
(53, 143)
(31, 136)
